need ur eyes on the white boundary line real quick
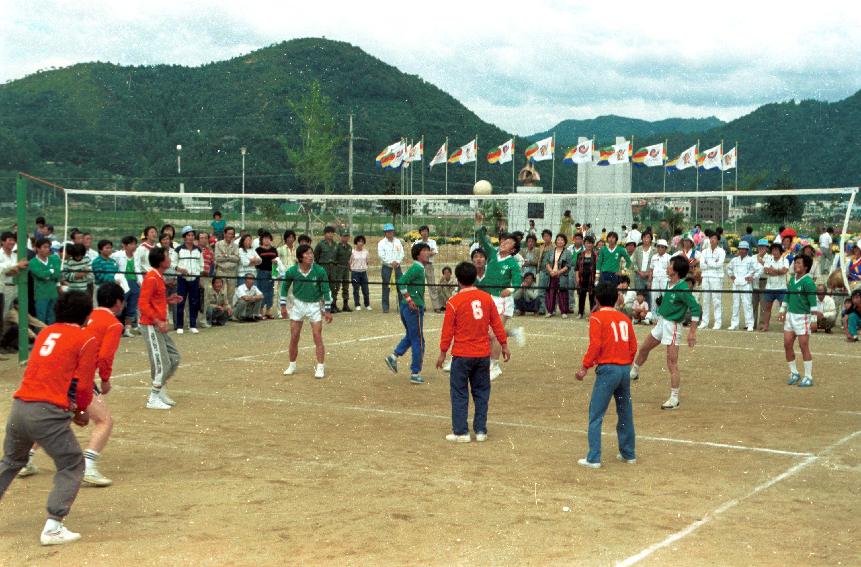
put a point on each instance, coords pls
(386, 411)
(730, 504)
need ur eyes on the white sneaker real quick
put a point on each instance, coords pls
(193, 330)
(29, 470)
(702, 325)
(319, 371)
(180, 331)
(358, 308)
(548, 315)
(481, 437)
(519, 336)
(368, 307)
(564, 315)
(95, 478)
(749, 329)
(716, 327)
(733, 328)
(495, 371)
(458, 438)
(128, 333)
(671, 403)
(585, 463)
(162, 395)
(59, 537)
(155, 402)
(619, 457)
(290, 370)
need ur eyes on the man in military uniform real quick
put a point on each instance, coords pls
(342, 270)
(325, 254)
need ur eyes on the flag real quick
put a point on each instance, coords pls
(686, 159)
(440, 156)
(710, 159)
(621, 153)
(650, 156)
(415, 152)
(730, 160)
(580, 154)
(393, 156)
(464, 154)
(602, 156)
(502, 154)
(541, 150)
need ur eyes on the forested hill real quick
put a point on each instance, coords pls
(608, 127)
(118, 125)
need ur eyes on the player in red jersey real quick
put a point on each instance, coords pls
(612, 347)
(468, 315)
(163, 355)
(57, 388)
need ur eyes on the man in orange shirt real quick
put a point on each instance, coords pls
(612, 347)
(468, 314)
(57, 385)
(163, 355)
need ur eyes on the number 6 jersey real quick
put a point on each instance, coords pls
(468, 315)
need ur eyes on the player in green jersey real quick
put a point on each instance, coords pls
(795, 312)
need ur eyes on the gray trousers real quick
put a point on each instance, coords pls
(246, 309)
(543, 282)
(49, 426)
(163, 356)
(433, 290)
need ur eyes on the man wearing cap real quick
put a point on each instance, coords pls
(391, 253)
(325, 254)
(658, 265)
(711, 263)
(743, 271)
(762, 280)
(343, 251)
(189, 266)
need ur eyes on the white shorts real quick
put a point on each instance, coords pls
(668, 332)
(798, 324)
(302, 310)
(504, 306)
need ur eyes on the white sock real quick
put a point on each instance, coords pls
(90, 458)
(320, 366)
(292, 365)
(793, 367)
(808, 369)
(674, 393)
(52, 525)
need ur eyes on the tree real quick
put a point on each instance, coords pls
(784, 208)
(314, 159)
(392, 205)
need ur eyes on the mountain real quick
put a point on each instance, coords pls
(606, 128)
(102, 125)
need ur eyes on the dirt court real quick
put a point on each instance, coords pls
(255, 468)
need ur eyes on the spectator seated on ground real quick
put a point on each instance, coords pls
(247, 300)
(218, 309)
(852, 316)
(526, 298)
(627, 296)
(9, 339)
(825, 305)
(640, 312)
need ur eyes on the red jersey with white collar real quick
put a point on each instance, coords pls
(62, 352)
(153, 300)
(611, 339)
(108, 330)
(468, 314)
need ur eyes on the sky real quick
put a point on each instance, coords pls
(523, 66)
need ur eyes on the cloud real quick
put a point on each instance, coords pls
(522, 69)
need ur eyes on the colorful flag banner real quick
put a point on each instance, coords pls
(650, 156)
(710, 159)
(686, 159)
(393, 156)
(541, 150)
(621, 153)
(415, 152)
(582, 153)
(502, 154)
(440, 157)
(387, 151)
(464, 154)
(602, 156)
(730, 159)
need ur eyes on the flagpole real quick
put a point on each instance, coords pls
(664, 161)
(446, 165)
(736, 165)
(553, 162)
(475, 167)
(412, 186)
(697, 167)
(513, 180)
(721, 181)
(631, 162)
(423, 164)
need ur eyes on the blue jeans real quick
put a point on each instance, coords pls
(190, 293)
(610, 277)
(130, 309)
(266, 285)
(414, 339)
(611, 381)
(474, 372)
(45, 310)
(853, 324)
(387, 275)
(360, 281)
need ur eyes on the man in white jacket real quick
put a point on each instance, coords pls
(711, 263)
(743, 271)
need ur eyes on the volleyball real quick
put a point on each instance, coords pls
(482, 187)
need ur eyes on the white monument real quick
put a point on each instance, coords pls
(603, 213)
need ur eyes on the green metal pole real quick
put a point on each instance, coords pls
(23, 299)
